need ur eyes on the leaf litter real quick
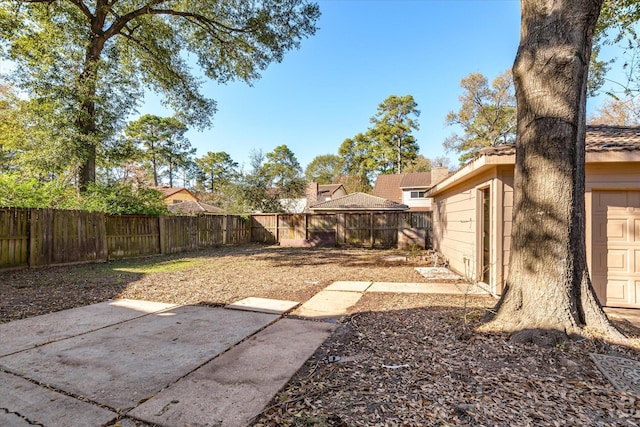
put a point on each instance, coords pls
(395, 359)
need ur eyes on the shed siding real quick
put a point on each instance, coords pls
(506, 176)
(455, 224)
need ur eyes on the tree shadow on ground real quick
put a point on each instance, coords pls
(404, 359)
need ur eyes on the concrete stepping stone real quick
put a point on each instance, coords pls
(327, 304)
(438, 273)
(23, 403)
(27, 333)
(263, 305)
(121, 365)
(348, 286)
(235, 387)
(427, 288)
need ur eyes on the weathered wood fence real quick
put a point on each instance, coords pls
(45, 237)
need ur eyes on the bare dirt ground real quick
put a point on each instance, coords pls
(396, 359)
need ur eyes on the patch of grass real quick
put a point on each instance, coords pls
(154, 266)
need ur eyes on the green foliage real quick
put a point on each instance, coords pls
(387, 146)
(487, 115)
(360, 158)
(216, 170)
(161, 142)
(87, 63)
(324, 169)
(121, 199)
(113, 198)
(419, 164)
(396, 118)
(284, 172)
(271, 180)
(31, 193)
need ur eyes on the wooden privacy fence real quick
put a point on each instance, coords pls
(369, 229)
(43, 237)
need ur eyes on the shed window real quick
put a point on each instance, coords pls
(418, 194)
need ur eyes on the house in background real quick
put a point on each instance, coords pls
(409, 188)
(177, 195)
(317, 193)
(472, 215)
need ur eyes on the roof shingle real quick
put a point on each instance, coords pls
(598, 139)
(359, 201)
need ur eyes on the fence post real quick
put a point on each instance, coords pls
(371, 229)
(277, 229)
(225, 224)
(162, 234)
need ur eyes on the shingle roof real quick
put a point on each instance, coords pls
(359, 201)
(418, 179)
(598, 139)
(193, 206)
(328, 188)
(388, 187)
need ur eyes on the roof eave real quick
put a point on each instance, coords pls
(472, 169)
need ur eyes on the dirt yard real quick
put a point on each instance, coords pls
(405, 359)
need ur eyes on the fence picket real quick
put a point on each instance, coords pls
(41, 237)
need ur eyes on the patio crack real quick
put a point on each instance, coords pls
(19, 415)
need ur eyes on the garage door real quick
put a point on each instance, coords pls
(616, 247)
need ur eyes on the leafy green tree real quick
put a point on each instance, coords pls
(257, 187)
(120, 199)
(19, 192)
(163, 143)
(396, 118)
(487, 115)
(360, 159)
(177, 152)
(216, 171)
(89, 61)
(284, 172)
(419, 164)
(324, 169)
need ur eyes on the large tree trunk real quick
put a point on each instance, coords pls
(87, 84)
(548, 286)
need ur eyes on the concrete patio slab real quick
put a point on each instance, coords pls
(326, 304)
(438, 273)
(232, 389)
(427, 288)
(120, 365)
(23, 403)
(32, 332)
(348, 286)
(263, 305)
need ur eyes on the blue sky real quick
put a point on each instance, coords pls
(364, 51)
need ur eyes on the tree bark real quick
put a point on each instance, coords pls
(548, 286)
(86, 120)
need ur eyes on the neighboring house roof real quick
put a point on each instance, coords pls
(388, 187)
(193, 206)
(602, 144)
(416, 180)
(170, 191)
(359, 201)
(328, 189)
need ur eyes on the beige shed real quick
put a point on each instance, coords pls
(472, 215)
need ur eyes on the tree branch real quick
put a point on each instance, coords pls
(83, 8)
